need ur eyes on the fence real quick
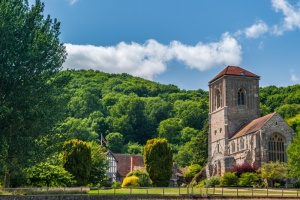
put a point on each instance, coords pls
(157, 191)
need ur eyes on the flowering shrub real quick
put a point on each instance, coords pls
(132, 181)
(240, 169)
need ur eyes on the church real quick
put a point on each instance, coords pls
(238, 134)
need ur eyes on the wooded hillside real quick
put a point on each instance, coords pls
(129, 110)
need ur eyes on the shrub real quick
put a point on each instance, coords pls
(212, 182)
(296, 184)
(116, 184)
(240, 169)
(193, 170)
(132, 181)
(248, 178)
(144, 179)
(229, 179)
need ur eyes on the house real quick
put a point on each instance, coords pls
(238, 133)
(121, 164)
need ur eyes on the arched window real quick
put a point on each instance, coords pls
(242, 143)
(218, 98)
(232, 147)
(276, 148)
(241, 96)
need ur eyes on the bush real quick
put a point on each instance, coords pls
(240, 169)
(116, 184)
(248, 178)
(193, 170)
(132, 181)
(144, 179)
(296, 184)
(212, 182)
(229, 179)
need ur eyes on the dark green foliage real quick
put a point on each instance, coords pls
(144, 179)
(158, 161)
(77, 160)
(30, 57)
(99, 165)
(48, 175)
(115, 142)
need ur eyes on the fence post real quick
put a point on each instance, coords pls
(267, 192)
(147, 191)
(187, 190)
(282, 192)
(98, 191)
(297, 192)
(237, 191)
(163, 192)
(114, 191)
(192, 190)
(207, 191)
(252, 192)
(222, 191)
(130, 191)
(214, 190)
(200, 191)
(179, 190)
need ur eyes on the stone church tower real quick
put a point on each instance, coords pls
(237, 132)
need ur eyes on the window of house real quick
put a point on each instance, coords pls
(241, 96)
(276, 148)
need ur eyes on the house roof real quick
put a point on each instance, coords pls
(126, 162)
(254, 125)
(234, 71)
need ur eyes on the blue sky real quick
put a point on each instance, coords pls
(185, 43)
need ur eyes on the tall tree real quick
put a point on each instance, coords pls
(30, 56)
(158, 161)
(77, 160)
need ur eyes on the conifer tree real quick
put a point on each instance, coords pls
(158, 161)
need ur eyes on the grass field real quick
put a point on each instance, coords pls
(233, 192)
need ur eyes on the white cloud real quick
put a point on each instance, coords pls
(203, 56)
(72, 1)
(294, 77)
(292, 16)
(150, 59)
(256, 30)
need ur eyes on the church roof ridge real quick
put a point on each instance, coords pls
(234, 71)
(254, 125)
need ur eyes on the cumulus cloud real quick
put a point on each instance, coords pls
(291, 16)
(150, 59)
(256, 30)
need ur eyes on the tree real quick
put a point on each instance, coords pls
(31, 55)
(115, 142)
(170, 129)
(46, 174)
(158, 161)
(77, 160)
(193, 170)
(293, 152)
(273, 171)
(99, 165)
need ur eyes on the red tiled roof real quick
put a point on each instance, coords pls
(124, 165)
(254, 125)
(235, 71)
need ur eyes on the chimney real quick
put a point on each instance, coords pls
(131, 164)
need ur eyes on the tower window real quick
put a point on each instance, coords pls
(242, 144)
(276, 148)
(241, 96)
(218, 99)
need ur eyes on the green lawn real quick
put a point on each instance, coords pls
(255, 192)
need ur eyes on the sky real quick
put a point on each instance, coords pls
(184, 43)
